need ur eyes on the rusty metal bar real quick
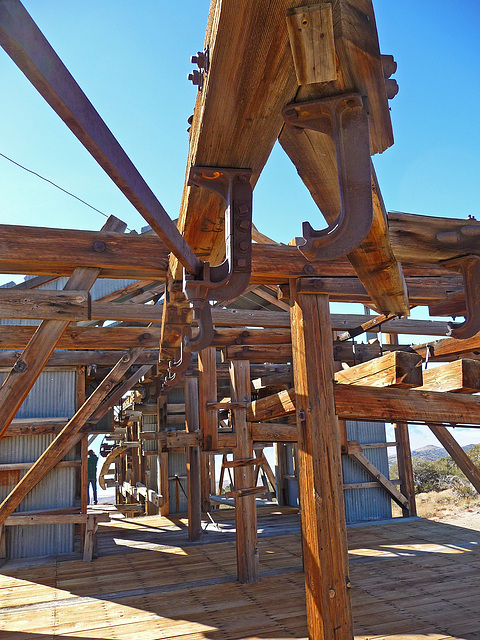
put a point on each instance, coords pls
(345, 120)
(32, 53)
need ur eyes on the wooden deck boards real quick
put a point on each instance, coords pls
(412, 580)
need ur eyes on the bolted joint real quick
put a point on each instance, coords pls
(99, 246)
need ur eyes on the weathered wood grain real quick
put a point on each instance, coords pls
(394, 369)
(322, 507)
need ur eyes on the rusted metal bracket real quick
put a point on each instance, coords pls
(469, 267)
(345, 120)
(230, 278)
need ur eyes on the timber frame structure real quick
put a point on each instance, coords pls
(177, 326)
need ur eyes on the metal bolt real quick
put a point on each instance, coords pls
(301, 415)
(243, 225)
(243, 245)
(99, 246)
(242, 178)
(190, 119)
(195, 77)
(290, 113)
(20, 366)
(241, 263)
(199, 60)
(243, 208)
(308, 268)
(391, 87)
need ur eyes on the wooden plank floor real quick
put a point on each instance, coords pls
(412, 580)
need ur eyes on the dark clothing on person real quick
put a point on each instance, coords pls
(92, 475)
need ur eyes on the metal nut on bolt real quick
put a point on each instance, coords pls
(99, 246)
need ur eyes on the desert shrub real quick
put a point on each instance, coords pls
(431, 476)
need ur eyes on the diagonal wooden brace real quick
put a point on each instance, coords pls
(469, 266)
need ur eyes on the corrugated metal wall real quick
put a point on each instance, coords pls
(52, 396)
(177, 466)
(366, 504)
(360, 504)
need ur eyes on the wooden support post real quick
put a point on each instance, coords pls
(28, 367)
(205, 481)
(164, 489)
(192, 421)
(66, 439)
(207, 379)
(245, 508)
(89, 541)
(320, 474)
(280, 473)
(404, 455)
(405, 468)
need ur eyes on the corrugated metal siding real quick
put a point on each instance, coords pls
(149, 423)
(177, 465)
(366, 504)
(52, 396)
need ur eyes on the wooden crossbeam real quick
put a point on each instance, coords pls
(380, 404)
(462, 376)
(356, 453)
(15, 337)
(70, 358)
(431, 239)
(394, 369)
(42, 343)
(66, 439)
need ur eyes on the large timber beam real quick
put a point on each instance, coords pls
(42, 343)
(430, 239)
(15, 337)
(29, 49)
(66, 439)
(394, 369)
(236, 123)
(381, 404)
(313, 153)
(325, 554)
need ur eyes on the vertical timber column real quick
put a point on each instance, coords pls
(404, 456)
(324, 533)
(245, 508)
(192, 422)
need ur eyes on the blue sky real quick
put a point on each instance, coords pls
(132, 59)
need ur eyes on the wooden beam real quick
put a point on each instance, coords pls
(313, 153)
(394, 369)
(313, 56)
(36, 250)
(458, 455)
(51, 305)
(248, 568)
(74, 337)
(207, 387)
(420, 290)
(116, 396)
(32, 53)
(448, 348)
(229, 131)
(102, 358)
(380, 404)
(325, 553)
(28, 367)
(430, 239)
(192, 423)
(356, 453)
(460, 376)
(65, 440)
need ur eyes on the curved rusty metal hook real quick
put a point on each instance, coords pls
(230, 278)
(470, 269)
(345, 120)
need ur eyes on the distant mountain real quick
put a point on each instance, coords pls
(430, 453)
